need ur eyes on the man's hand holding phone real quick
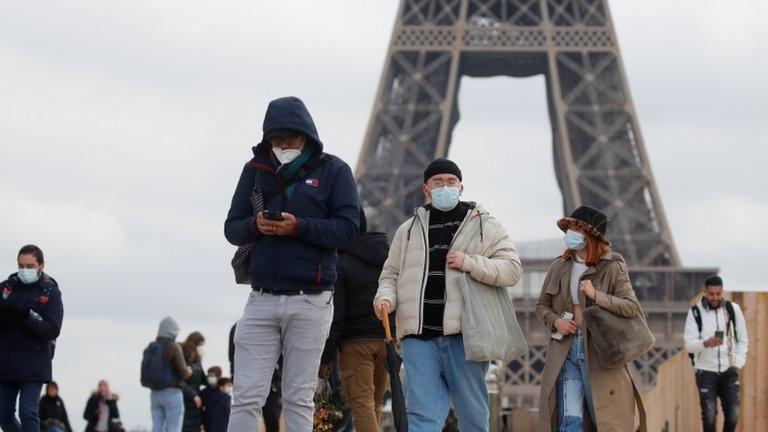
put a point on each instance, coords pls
(271, 222)
(715, 341)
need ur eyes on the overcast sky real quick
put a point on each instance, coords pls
(124, 127)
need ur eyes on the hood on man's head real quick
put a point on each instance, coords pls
(169, 328)
(281, 133)
(289, 114)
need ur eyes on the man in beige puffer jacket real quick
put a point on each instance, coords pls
(420, 282)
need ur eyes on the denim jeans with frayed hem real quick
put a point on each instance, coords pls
(573, 389)
(436, 374)
(28, 393)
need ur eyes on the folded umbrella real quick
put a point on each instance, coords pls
(394, 362)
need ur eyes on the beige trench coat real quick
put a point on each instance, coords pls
(614, 392)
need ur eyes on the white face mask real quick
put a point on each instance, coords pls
(201, 351)
(212, 381)
(286, 156)
(228, 390)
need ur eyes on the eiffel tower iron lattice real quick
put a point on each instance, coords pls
(599, 154)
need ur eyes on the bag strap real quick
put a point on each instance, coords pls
(696, 317)
(301, 174)
(731, 319)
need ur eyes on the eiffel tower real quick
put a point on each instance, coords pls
(599, 154)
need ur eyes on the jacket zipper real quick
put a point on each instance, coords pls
(273, 173)
(458, 230)
(424, 272)
(717, 327)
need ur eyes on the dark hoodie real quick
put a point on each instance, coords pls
(359, 268)
(325, 203)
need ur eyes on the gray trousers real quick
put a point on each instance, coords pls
(295, 325)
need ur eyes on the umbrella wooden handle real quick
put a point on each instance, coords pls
(385, 321)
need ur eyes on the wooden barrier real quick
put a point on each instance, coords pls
(673, 405)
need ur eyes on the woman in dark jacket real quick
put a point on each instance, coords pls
(101, 411)
(31, 314)
(191, 387)
(52, 410)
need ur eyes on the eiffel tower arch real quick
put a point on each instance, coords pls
(599, 153)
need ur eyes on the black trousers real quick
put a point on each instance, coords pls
(725, 385)
(272, 409)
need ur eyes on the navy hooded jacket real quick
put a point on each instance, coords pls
(26, 348)
(325, 204)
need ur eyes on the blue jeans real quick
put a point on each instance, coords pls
(28, 393)
(573, 388)
(436, 374)
(167, 410)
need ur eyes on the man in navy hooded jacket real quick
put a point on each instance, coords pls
(292, 265)
(31, 313)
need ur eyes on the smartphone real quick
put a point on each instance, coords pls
(272, 215)
(719, 334)
(556, 334)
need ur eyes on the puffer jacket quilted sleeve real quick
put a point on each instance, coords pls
(497, 263)
(390, 273)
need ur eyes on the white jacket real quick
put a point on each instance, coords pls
(720, 358)
(490, 258)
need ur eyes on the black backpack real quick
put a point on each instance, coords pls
(731, 322)
(156, 372)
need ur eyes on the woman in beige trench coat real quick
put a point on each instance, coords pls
(577, 393)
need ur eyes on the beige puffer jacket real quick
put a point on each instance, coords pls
(491, 258)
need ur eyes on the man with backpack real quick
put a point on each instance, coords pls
(293, 207)
(162, 370)
(716, 338)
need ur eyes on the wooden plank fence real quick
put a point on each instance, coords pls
(673, 406)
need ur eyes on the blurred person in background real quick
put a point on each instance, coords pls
(101, 411)
(53, 413)
(193, 349)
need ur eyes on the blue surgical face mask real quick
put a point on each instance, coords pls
(445, 198)
(28, 276)
(575, 241)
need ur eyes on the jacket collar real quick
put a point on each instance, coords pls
(705, 304)
(421, 214)
(475, 210)
(424, 210)
(565, 274)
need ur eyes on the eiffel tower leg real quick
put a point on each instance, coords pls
(599, 153)
(412, 118)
